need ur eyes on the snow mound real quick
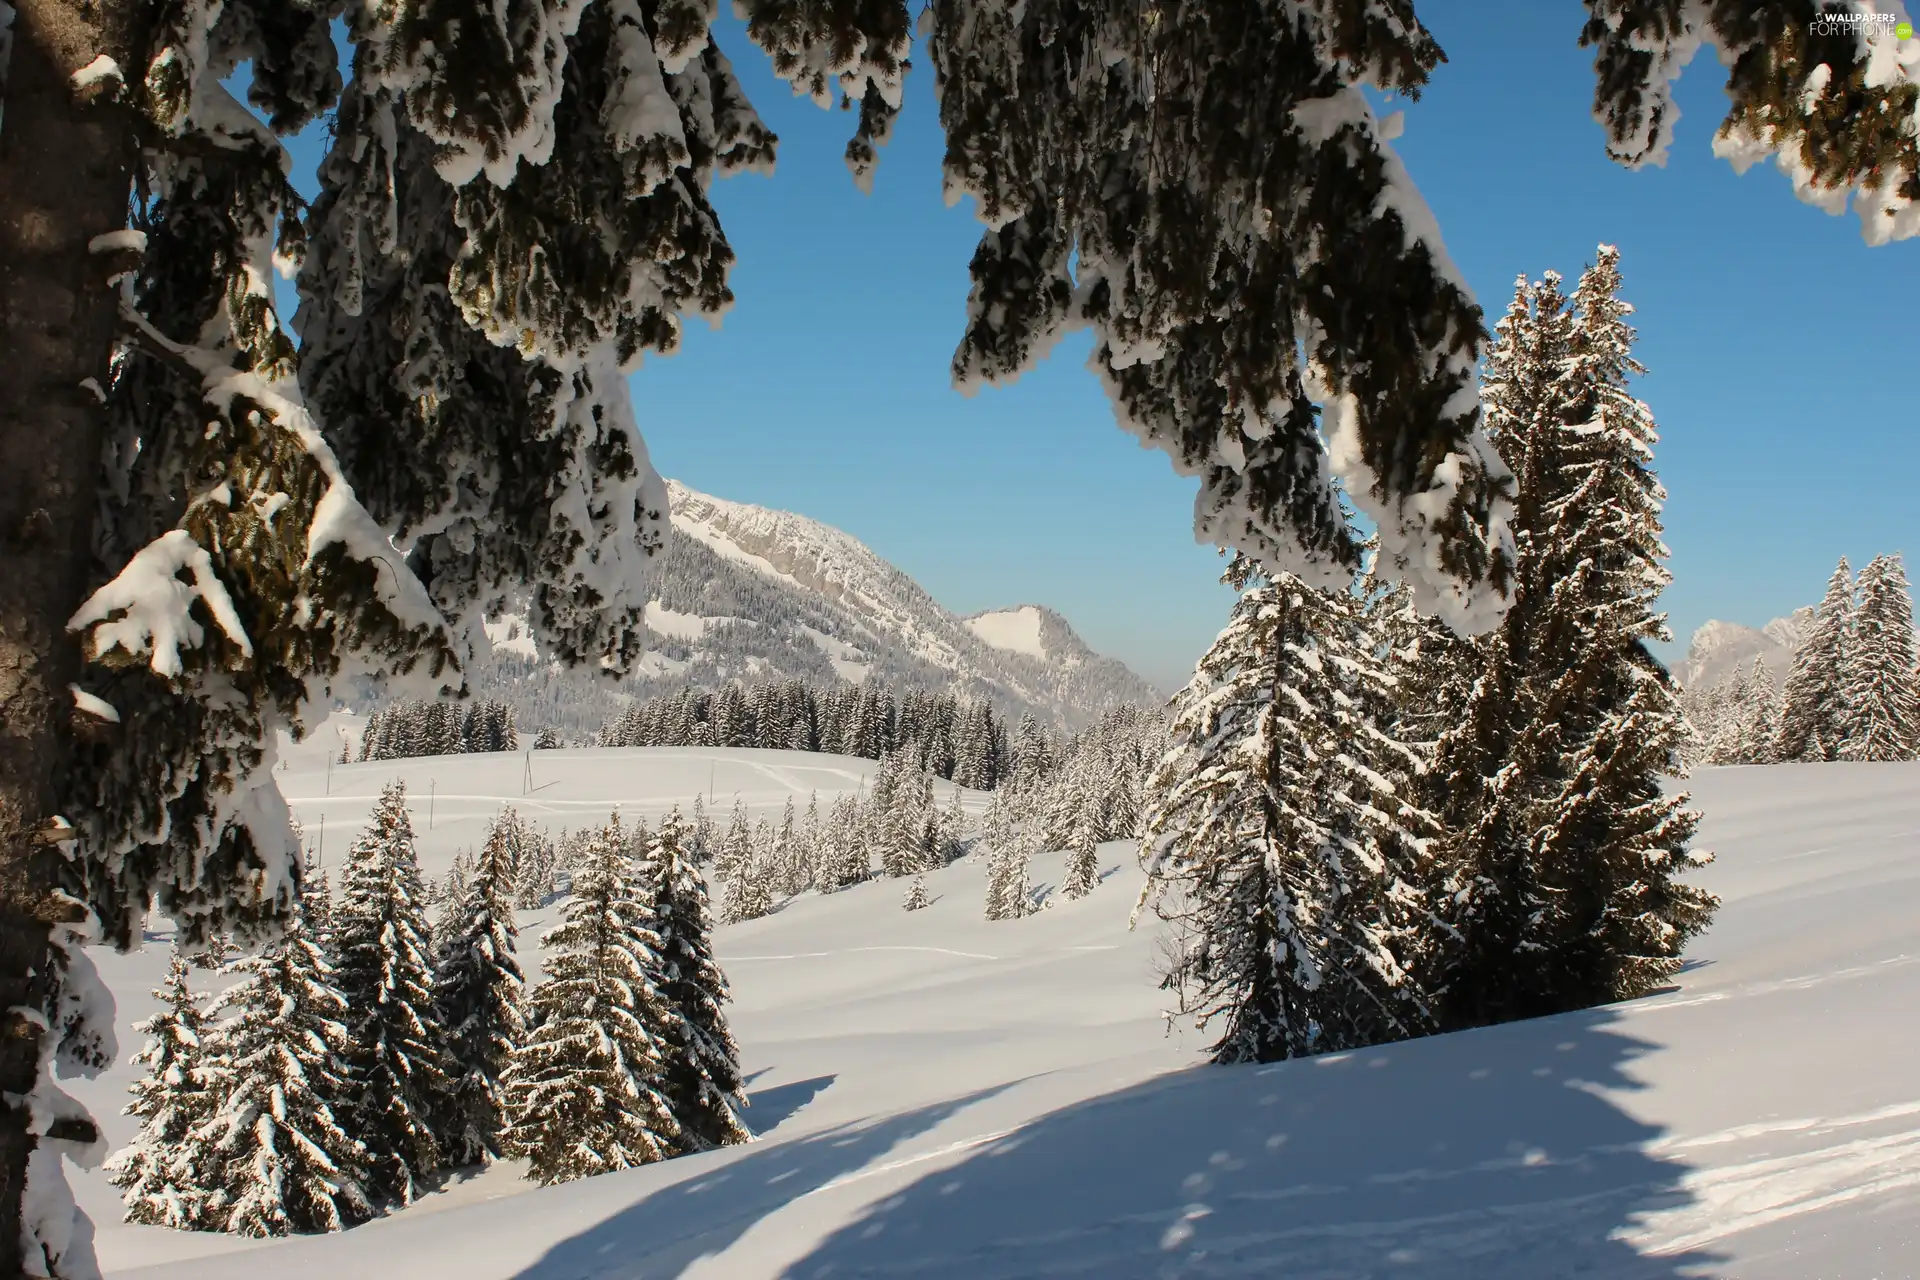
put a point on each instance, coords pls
(948, 1099)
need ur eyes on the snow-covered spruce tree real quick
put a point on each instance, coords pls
(788, 863)
(748, 894)
(172, 1099)
(703, 1085)
(275, 1158)
(1882, 695)
(1270, 840)
(813, 837)
(382, 956)
(316, 906)
(1760, 723)
(585, 1089)
(476, 996)
(1564, 853)
(953, 829)
(897, 819)
(1717, 717)
(1009, 857)
(1082, 874)
(1813, 702)
(700, 834)
(916, 897)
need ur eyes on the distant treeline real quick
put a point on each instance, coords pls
(416, 728)
(959, 739)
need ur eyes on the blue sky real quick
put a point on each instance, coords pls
(1780, 352)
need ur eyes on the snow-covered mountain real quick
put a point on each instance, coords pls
(751, 593)
(1720, 648)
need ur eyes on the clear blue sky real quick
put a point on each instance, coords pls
(1780, 352)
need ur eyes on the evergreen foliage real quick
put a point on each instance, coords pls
(1562, 853)
(156, 1172)
(275, 1158)
(418, 728)
(383, 959)
(1881, 692)
(1009, 855)
(1083, 863)
(586, 1089)
(477, 996)
(957, 738)
(1814, 711)
(916, 898)
(1274, 838)
(703, 1084)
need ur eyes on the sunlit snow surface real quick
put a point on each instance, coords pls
(948, 1099)
(1015, 630)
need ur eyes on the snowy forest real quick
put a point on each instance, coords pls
(389, 1035)
(1852, 693)
(368, 1048)
(1419, 783)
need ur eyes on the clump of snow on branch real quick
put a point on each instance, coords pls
(76, 1040)
(1841, 134)
(147, 611)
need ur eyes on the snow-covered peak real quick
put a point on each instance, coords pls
(755, 594)
(1720, 648)
(1014, 630)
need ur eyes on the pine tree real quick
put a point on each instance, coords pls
(896, 817)
(1562, 850)
(585, 1089)
(1083, 862)
(275, 1158)
(953, 829)
(155, 1173)
(733, 866)
(700, 837)
(1009, 855)
(476, 996)
(397, 1063)
(1882, 699)
(916, 894)
(1813, 702)
(1719, 718)
(790, 865)
(316, 907)
(703, 1084)
(1269, 844)
(1760, 722)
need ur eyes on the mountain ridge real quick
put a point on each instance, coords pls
(1719, 648)
(754, 593)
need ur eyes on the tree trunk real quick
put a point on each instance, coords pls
(65, 173)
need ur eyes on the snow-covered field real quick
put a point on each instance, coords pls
(947, 1099)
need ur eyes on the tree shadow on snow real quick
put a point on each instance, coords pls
(767, 1109)
(1482, 1156)
(704, 1213)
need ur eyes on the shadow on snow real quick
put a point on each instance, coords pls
(767, 1109)
(1482, 1156)
(1490, 1155)
(704, 1214)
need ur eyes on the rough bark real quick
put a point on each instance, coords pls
(66, 163)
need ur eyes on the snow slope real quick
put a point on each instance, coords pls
(947, 1099)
